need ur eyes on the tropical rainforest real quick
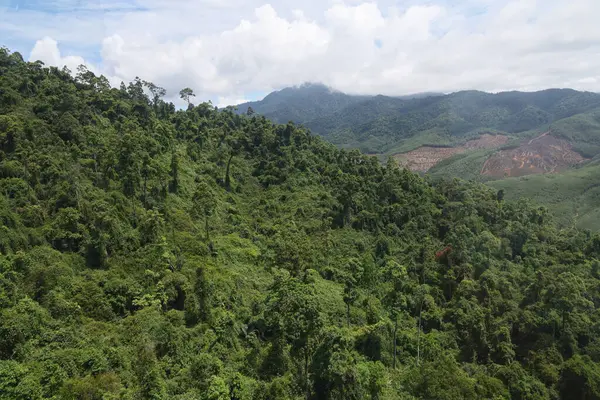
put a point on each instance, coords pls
(148, 252)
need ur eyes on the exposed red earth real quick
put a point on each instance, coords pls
(541, 155)
(426, 157)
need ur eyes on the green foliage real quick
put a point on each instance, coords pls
(391, 125)
(572, 196)
(154, 253)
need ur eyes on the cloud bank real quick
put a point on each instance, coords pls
(232, 50)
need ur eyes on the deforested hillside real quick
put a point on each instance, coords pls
(154, 253)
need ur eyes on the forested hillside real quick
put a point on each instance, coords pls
(300, 104)
(573, 196)
(382, 124)
(154, 253)
(470, 135)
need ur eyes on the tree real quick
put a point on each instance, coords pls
(156, 91)
(340, 372)
(203, 291)
(440, 379)
(136, 90)
(186, 94)
(580, 379)
(396, 300)
(350, 296)
(217, 390)
(353, 275)
(174, 184)
(294, 314)
(325, 284)
(500, 195)
(204, 205)
(149, 376)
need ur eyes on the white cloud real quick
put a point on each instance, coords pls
(226, 50)
(46, 50)
(233, 100)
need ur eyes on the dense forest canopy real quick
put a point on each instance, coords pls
(471, 135)
(154, 253)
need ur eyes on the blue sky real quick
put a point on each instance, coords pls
(234, 50)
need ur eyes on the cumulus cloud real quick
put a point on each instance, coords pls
(46, 50)
(226, 50)
(228, 101)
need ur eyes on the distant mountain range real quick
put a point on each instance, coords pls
(469, 134)
(383, 124)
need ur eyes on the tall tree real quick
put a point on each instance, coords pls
(186, 94)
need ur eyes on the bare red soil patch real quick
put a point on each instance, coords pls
(544, 154)
(486, 141)
(426, 157)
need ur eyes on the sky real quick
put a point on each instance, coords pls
(230, 51)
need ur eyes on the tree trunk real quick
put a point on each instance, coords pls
(227, 179)
(144, 192)
(395, 332)
(419, 335)
(306, 381)
(348, 314)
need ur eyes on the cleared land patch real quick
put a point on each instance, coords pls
(541, 155)
(426, 157)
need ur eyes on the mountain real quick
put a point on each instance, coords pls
(470, 134)
(386, 125)
(154, 253)
(307, 102)
(382, 124)
(301, 104)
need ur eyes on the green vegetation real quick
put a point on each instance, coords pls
(573, 196)
(385, 124)
(466, 165)
(154, 253)
(300, 104)
(582, 130)
(388, 125)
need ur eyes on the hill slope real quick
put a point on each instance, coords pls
(150, 253)
(471, 135)
(382, 124)
(573, 196)
(301, 104)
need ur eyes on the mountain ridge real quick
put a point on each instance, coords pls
(469, 134)
(380, 124)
